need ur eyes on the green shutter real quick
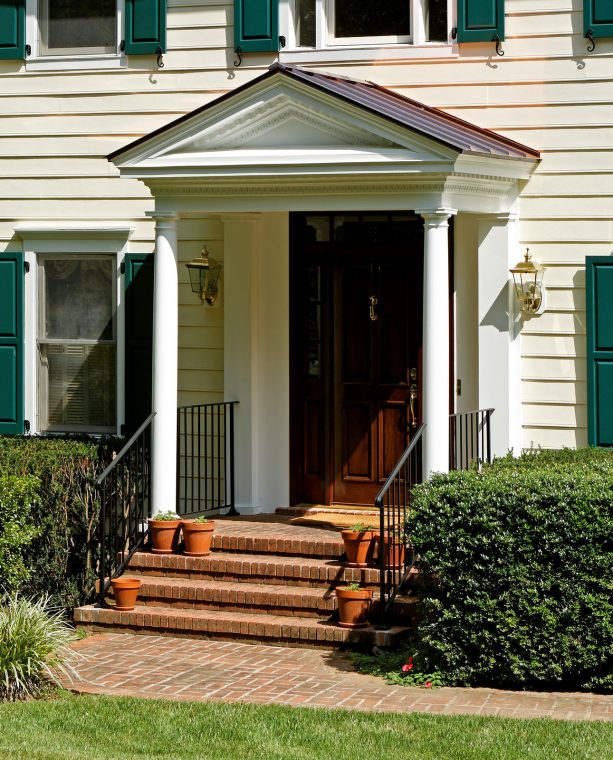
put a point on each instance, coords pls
(480, 20)
(145, 27)
(599, 292)
(138, 304)
(11, 343)
(598, 18)
(256, 25)
(12, 29)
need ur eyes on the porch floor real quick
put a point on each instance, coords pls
(167, 668)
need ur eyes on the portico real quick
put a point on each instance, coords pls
(292, 141)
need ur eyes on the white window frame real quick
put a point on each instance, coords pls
(83, 241)
(82, 60)
(328, 47)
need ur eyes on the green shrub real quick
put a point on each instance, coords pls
(18, 499)
(518, 572)
(33, 642)
(62, 557)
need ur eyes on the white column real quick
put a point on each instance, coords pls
(435, 391)
(499, 325)
(165, 365)
(242, 248)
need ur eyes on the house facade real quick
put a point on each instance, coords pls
(366, 177)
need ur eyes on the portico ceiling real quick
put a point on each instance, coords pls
(291, 138)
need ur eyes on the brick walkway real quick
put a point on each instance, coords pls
(185, 669)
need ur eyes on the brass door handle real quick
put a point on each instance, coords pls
(373, 301)
(412, 400)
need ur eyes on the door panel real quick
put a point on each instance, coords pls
(375, 299)
(356, 336)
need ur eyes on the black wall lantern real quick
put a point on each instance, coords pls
(204, 277)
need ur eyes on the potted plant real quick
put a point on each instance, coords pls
(353, 605)
(359, 545)
(393, 546)
(125, 591)
(164, 530)
(197, 536)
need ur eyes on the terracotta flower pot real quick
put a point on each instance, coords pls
(394, 549)
(359, 545)
(125, 591)
(353, 607)
(197, 537)
(164, 535)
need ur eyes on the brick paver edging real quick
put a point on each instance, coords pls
(200, 670)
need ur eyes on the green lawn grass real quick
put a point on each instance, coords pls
(108, 728)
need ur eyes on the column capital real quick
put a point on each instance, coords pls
(163, 217)
(436, 217)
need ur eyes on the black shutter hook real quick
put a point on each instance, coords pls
(498, 41)
(590, 35)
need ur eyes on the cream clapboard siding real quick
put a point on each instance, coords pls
(547, 91)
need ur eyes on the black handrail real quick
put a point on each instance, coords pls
(205, 458)
(470, 438)
(396, 558)
(124, 488)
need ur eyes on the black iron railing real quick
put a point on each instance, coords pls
(470, 439)
(205, 458)
(396, 558)
(124, 488)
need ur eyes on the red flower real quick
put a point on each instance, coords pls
(408, 666)
(428, 685)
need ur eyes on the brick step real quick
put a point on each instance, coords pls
(302, 601)
(235, 537)
(247, 568)
(191, 593)
(269, 628)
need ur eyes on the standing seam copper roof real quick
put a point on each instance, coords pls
(433, 123)
(406, 112)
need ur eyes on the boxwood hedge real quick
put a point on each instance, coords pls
(60, 555)
(518, 571)
(19, 498)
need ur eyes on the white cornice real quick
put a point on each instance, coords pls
(359, 185)
(64, 231)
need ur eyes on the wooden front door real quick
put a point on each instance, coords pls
(356, 351)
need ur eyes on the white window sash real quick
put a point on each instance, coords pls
(33, 39)
(324, 29)
(43, 389)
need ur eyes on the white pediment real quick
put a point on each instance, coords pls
(275, 122)
(283, 122)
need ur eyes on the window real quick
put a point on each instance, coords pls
(319, 24)
(61, 31)
(69, 27)
(77, 347)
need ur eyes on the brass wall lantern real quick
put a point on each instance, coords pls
(528, 281)
(204, 277)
